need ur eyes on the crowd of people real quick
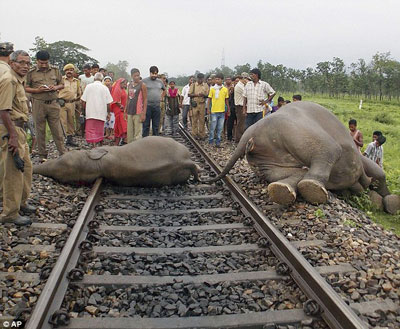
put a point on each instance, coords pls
(97, 106)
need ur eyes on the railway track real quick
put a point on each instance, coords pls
(193, 256)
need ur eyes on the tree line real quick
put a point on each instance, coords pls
(378, 78)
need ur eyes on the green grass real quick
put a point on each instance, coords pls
(374, 115)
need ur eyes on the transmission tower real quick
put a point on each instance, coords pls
(223, 58)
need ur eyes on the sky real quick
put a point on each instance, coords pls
(182, 36)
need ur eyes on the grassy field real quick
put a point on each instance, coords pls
(383, 116)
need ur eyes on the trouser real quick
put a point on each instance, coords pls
(67, 116)
(16, 184)
(153, 116)
(198, 119)
(51, 113)
(171, 124)
(78, 112)
(252, 118)
(185, 112)
(217, 121)
(134, 127)
(162, 116)
(231, 123)
(241, 121)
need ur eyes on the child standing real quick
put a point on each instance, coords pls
(356, 134)
(374, 149)
(218, 96)
(173, 103)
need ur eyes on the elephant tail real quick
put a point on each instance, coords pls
(240, 151)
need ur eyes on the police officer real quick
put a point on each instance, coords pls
(17, 181)
(6, 48)
(43, 82)
(69, 96)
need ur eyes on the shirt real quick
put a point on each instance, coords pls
(239, 90)
(4, 67)
(85, 80)
(196, 88)
(218, 104)
(71, 91)
(96, 96)
(135, 98)
(185, 94)
(12, 96)
(256, 93)
(374, 152)
(49, 77)
(154, 88)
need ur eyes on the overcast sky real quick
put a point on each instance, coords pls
(183, 36)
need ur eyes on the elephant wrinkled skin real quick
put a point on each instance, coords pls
(303, 148)
(148, 162)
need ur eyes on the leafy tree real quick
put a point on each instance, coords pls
(63, 52)
(119, 69)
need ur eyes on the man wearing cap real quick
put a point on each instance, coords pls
(16, 162)
(44, 81)
(6, 48)
(238, 97)
(198, 93)
(257, 94)
(68, 98)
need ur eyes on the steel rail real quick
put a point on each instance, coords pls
(51, 298)
(335, 311)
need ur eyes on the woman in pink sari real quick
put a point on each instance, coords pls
(118, 106)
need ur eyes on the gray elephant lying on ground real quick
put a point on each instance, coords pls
(151, 161)
(304, 148)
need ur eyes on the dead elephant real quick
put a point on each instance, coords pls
(148, 162)
(304, 148)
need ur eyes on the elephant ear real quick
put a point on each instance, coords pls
(97, 154)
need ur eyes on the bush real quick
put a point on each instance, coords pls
(383, 118)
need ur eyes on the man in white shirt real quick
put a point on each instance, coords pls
(87, 77)
(96, 100)
(185, 102)
(257, 94)
(238, 98)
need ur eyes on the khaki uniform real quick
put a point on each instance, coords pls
(198, 112)
(45, 108)
(4, 68)
(16, 184)
(70, 94)
(78, 111)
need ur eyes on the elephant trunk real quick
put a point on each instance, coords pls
(239, 153)
(46, 169)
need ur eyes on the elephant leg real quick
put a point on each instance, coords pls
(313, 186)
(356, 188)
(319, 152)
(284, 191)
(377, 174)
(364, 180)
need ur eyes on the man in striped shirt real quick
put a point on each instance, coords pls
(256, 94)
(374, 150)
